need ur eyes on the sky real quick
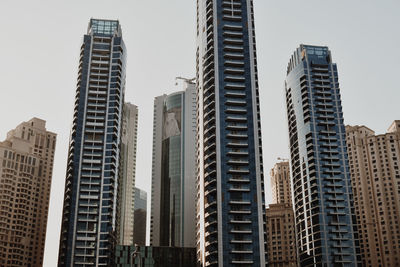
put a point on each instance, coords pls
(39, 48)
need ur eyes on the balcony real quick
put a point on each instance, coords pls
(236, 110)
(242, 251)
(234, 48)
(235, 102)
(239, 189)
(238, 162)
(235, 86)
(237, 127)
(233, 231)
(234, 63)
(236, 119)
(238, 153)
(240, 222)
(237, 145)
(235, 94)
(238, 171)
(237, 180)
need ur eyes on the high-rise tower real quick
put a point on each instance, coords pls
(280, 183)
(231, 206)
(89, 213)
(26, 168)
(173, 194)
(321, 180)
(375, 174)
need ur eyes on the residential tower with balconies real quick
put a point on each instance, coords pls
(230, 185)
(325, 227)
(88, 230)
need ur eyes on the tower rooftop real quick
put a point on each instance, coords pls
(104, 27)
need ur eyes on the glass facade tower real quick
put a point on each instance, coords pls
(231, 205)
(173, 216)
(321, 181)
(90, 198)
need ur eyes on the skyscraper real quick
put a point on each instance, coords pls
(281, 183)
(139, 228)
(26, 168)
(126, 184)
(374, 167)
(173, 205)
(281, 237)
(90, 198)
(231, 206)
(319, 166)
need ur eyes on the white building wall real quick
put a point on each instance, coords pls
(156, 172)
(189, 190)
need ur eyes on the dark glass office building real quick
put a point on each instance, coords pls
(231, 206)
(321, 181)
(89, 212)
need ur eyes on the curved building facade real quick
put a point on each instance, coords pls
(231, 205)
(319, 166)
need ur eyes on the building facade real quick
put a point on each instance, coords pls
(231, 205)
(173, 206)
(139, 228)
(281, 183)
(319, 166)
(374, 167)
(88, 229)
(26, 168)
(126, 187)
(281, 237)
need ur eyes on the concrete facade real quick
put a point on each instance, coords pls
(26, 166)
(375, 175)
(280, 183)
(281, 238)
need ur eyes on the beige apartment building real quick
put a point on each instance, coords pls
(281, 238)
(374, 166)
(26, 165)
(280, 183)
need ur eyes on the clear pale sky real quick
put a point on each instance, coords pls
(39, 50)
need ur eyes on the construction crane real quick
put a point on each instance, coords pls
(184, 79)
(282, 159)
